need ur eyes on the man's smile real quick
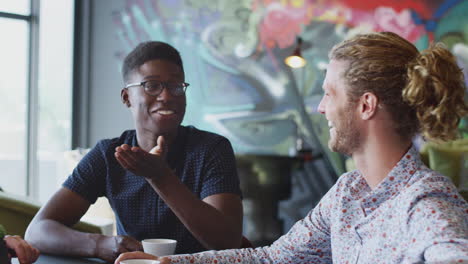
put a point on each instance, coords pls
(165, 112)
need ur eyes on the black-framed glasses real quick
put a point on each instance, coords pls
(155, 88)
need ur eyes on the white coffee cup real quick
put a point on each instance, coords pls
(139, 261)
(159, 246)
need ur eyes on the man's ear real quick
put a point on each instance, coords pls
(124, 97)
(368, 104)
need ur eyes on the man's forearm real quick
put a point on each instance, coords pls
(245, 256)
(207, 224)
(55, 238)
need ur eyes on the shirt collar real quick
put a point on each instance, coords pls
(175, 148)
(395, 181)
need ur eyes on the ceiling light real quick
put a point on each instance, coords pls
(295, 60)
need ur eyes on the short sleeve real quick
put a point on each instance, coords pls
(88, 178)
(220, 171)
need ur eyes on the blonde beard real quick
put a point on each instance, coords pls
(347, 138)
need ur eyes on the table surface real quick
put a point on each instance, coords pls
(48, 259)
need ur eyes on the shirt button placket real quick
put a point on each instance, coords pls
(356, 249)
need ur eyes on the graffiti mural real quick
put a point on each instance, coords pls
(233, 55)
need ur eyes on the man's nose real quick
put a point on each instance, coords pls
(165, 94)
(321, 107)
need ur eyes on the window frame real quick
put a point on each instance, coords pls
(32, 96)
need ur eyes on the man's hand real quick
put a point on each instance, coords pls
(19, 248)
(161, 148)
(141, 255)
(110, 247)
(142, 163)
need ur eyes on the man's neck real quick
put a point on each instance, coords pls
(378, 157)
(147, 140)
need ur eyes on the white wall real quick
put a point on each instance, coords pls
(108, 117)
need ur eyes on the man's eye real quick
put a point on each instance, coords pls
(152, 85)
(174, 86)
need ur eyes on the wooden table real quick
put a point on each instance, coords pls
(49, 259)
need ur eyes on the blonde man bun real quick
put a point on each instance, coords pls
(436, 88)
(423, 92)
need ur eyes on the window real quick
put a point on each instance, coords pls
(19, 7)
(36, 85)
(15, 55)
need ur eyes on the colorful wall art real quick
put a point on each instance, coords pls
(234, 55)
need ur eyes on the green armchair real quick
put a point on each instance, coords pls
(450, 159)
(16, 213)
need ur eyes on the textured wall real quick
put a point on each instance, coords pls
(234, 50)
(233, 53)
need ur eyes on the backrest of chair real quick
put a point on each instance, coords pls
(450, 159)
(245, 243)
(16, 213)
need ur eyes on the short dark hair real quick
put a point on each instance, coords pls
(147, 51)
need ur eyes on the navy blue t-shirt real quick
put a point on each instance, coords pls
(203, 161)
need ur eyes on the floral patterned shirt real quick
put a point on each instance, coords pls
(414, 215)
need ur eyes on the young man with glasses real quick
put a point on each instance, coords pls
(163, 180)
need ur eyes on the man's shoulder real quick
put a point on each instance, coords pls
(126, 137)
(196, 137)
(429, 186)
(426, 180)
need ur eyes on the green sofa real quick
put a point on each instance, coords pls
(450, 159)
(16, 213)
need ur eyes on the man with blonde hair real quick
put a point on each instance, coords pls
(379, 92)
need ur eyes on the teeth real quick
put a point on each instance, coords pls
(165, 112)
